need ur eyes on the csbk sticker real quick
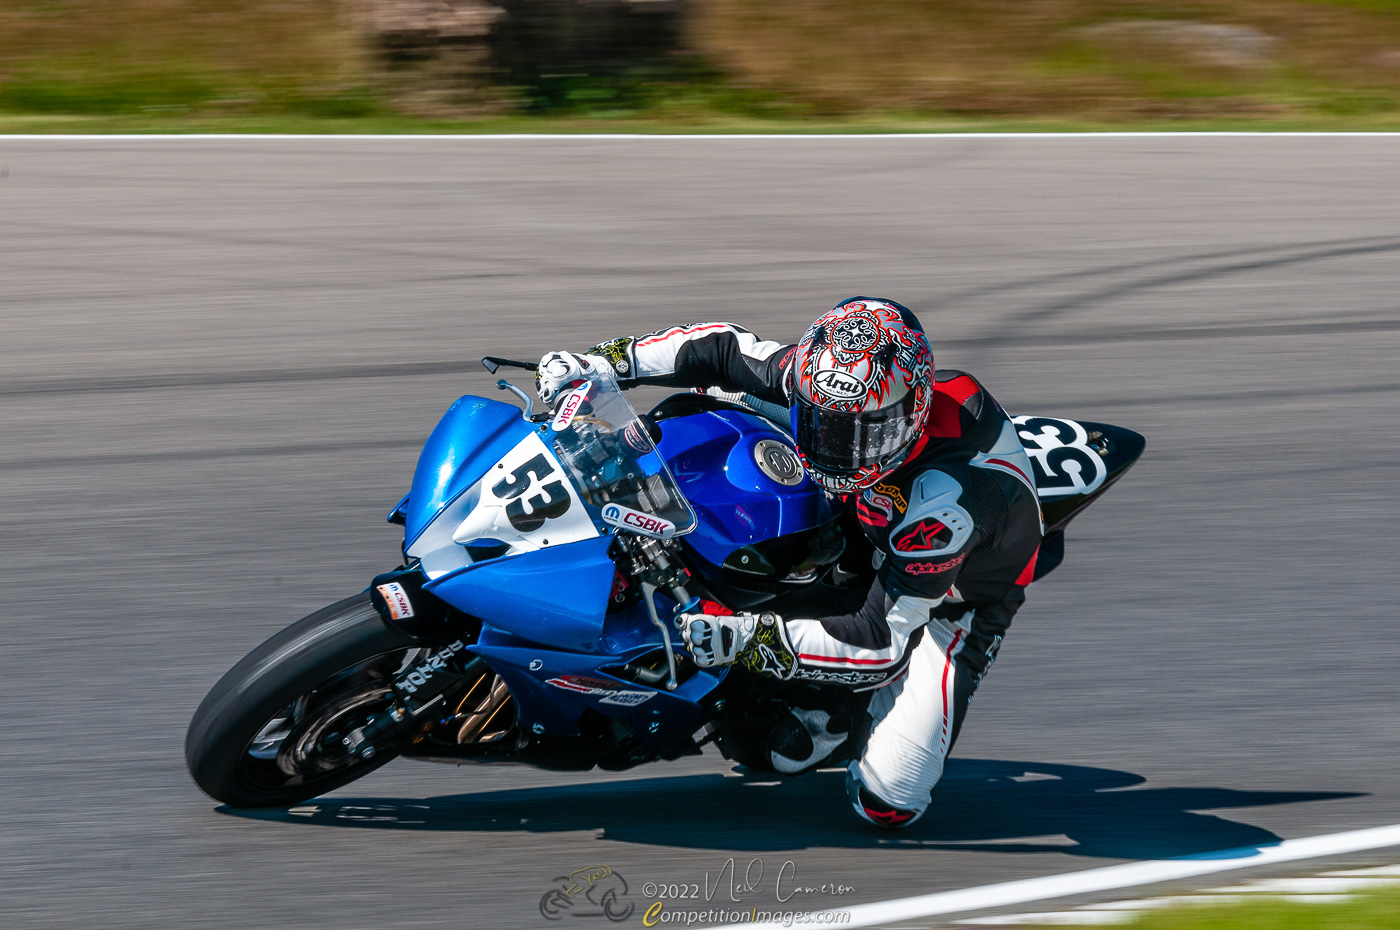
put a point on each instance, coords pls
(396, 599)
(572, 401)
(636, 520)
(611, 692)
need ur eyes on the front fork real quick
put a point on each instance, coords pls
(405, 606)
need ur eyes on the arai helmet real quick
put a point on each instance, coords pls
(863, 379)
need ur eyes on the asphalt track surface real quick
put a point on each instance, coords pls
(221, 357)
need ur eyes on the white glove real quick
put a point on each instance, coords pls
(717, 640)
(558, 371)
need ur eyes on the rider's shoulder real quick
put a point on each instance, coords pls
(932, 515)
(962, 409)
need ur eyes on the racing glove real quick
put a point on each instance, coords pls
(758, 642)
(558, 371)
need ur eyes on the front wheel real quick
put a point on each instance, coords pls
(271, 733)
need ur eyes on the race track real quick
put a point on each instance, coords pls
(222, 356)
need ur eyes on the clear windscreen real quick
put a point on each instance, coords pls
(613, 461)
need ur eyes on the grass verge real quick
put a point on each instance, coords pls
(1379, 911)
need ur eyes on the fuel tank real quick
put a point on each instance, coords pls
(763, 527)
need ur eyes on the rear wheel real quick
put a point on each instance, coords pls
(272, 732)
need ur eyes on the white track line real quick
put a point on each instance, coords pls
(1111, 877)
(659, 136)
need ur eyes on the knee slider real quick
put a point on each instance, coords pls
(870, 807)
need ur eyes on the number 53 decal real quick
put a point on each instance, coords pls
(552, 501)
(1060, 455)
(528, 501)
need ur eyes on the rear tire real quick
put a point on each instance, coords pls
(268, 734)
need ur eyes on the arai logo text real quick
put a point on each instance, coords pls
(839, 384)
(643, 523)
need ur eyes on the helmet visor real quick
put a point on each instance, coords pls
(841, 444)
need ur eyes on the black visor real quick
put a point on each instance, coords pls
(841, 444)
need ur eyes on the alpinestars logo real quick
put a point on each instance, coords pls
(924, 536)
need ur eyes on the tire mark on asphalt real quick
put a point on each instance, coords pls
(1078, 274)
(1182, 334)
(188, 379)
(101, 459)
(1203, 274)
(169, 380)
(1231, 397)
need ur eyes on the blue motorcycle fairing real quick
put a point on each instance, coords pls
(555, 695)
(554, 596)
(472, 436)
(712, 456)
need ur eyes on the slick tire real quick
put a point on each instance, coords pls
(345, 645)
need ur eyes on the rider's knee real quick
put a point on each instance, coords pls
(875, 809)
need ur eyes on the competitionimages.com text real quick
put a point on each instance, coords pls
(658, 914)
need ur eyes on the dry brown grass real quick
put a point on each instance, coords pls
(122, 54)
(1049, 57)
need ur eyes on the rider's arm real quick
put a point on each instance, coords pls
(701, 355)
(875, 638)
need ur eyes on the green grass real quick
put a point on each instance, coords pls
(799, 67)
(176, 122)
(1380, 911)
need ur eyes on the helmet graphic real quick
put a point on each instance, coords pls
(863, 375)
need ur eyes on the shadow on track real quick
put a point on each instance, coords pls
(989, 806)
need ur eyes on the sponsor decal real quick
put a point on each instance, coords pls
(569, 406)
(927, 535)
(744, 517)
(845, 678)
(396, 599)
(778, 462)
(637, 521)
(842, 385)
(420, 675)
(607, 692)
(874, 509)
(894, 494)
(931, 568)
(635, 435)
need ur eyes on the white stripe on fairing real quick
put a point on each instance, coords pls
(635, 136)
(1151, 872)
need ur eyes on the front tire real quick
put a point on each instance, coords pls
(269, 733)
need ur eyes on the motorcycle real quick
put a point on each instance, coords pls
(545, 557)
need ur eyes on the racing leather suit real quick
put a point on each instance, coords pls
(956, 530)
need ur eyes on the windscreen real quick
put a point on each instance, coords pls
(611, 456)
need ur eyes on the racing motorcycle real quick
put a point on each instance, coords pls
(545, 557)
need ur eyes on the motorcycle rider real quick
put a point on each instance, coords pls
(941, 487)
